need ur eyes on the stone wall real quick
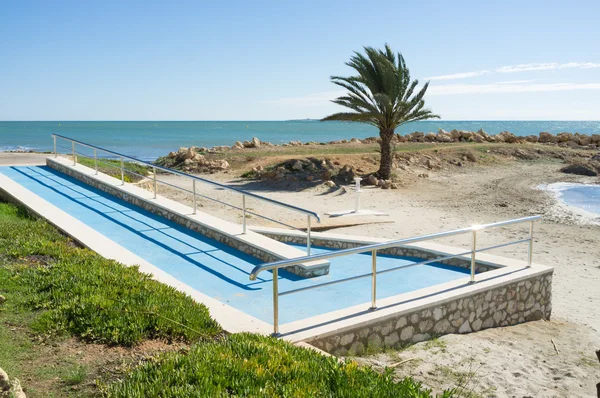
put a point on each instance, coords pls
(517, 302)
(182, 220)
(404, 251)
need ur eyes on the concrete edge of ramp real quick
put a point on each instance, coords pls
(231, 319)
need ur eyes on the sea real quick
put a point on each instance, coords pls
(582, 198)
(147, 140)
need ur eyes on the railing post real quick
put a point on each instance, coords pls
(55, 152)
(154, 178)
(122, 172)
(374, 280)
(194, 189)
(530, 254)
(73, 149)
(308, 236)
(275, 302)
(473, 250)
(95, 161)
(244, 215)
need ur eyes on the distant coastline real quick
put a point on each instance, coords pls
(150, 139)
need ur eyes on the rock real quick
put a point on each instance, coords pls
(329, 184)
(579, 169)
(465, 135)
(310, 178)
(430, 137)
(546, 138)
(255, 142)
(595, 138)
(455, 134)
(172, 155)
(346, 174)
(386, 184)
(247, 144)
(371, 180)
(394, 186)
(380, 183)
(417, 136)
(564, 137)
(355, 141)
(508, 137)
(238, 145)
(4, 382)
(532, 138)
(470, 157)
(585, 140)
(298, 166)
(2, 299)
(430, 163)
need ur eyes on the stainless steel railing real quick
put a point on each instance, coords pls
(275, 266)
(72, 151)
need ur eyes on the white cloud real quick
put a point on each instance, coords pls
(515, 82)
(518, 68)
(459, 75)
(455, 89)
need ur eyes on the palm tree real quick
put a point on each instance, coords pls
(381, 95)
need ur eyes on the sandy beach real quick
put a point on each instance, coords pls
(512, 361)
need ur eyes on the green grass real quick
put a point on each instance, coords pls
(55, 290)
(84, 294)
(257, 366)
(113, 168)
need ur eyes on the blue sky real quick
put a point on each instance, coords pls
(263, 60)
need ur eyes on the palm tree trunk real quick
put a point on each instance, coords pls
(385, 164)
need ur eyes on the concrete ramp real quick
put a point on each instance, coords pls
(231, 234)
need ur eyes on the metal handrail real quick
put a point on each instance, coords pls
(309, 214)
(373, 248)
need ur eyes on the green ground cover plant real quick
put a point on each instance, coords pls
(55, 290)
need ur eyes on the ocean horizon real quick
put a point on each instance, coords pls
(148, 140)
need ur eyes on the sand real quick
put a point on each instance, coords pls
(512, 361)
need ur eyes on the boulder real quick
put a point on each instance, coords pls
(370, 180)
(417, 136)
(4, 382)
(532, 138)
(255, 142)
(508, 137)
(546, 138)
(329, 184)
(595, 138)
(465, 135)
(455, 134)
(580, 169)
(564, 137)
(430, 137)
(443, 136)
(585, 140)
(238, 145)
(298, 166)
(355, 141)
(2, 299)
(470, 157)
(386, 184)
(248, 144)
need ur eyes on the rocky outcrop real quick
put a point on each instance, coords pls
(580, 169)
(192, 160)
(10, 388)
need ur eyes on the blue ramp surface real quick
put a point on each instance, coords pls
(218, 270)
